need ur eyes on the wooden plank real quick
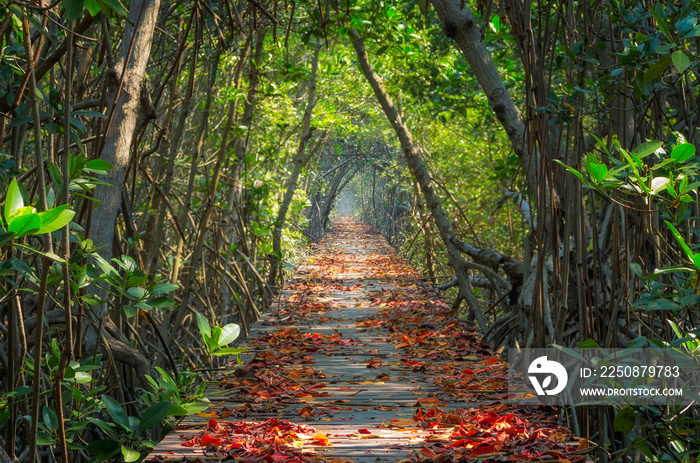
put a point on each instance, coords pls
(358, 394)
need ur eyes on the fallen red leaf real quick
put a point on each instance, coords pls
(206, 440)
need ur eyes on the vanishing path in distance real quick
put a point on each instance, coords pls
(360, 361)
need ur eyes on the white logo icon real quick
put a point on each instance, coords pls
(552, 368)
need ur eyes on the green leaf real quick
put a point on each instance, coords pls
(154, 415)
(93, 7)
(187, 409)
(97, 166)
(661, 19)
(229, 351)
(680, 240)
(646, 148)
(104, 449)
(588, 344)
(129, 311)
(164, 288)
(5, 238)
(639, 341)
(597, 170)
(43, 438)
(160, 302)
(203, 325)
(136, 293)
(115, 411)
(25, 224)
(74, 8)
(683, 152)
(229, 333)
(680, 60)
(13, 200)
(572, 171)
(50, 418)
(116, 6)
(663, 304)
(624, 420)
(105, 266)
(213, 341)
(657, 70)
(54, 219)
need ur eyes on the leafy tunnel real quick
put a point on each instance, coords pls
(166, 165)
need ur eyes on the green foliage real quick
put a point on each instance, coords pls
(185, 392)
(215, 338)
(124, 431)
(21, 220)
(130, 286)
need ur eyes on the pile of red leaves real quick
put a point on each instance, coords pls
(293, 341)
(435, 342)
(270, 441)
(497, 432)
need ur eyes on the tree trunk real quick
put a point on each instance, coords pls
(414, 160)
(299, 161)
(460, 24)
(425, 228)
(131, 68)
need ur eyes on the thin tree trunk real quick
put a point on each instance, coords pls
(425, 228)
(203, 128)
(299, 161)
(460, 24)
(211, 199)
(414, 160)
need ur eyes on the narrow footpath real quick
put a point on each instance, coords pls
(360, 361)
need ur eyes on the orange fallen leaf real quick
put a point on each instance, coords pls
(321, 439)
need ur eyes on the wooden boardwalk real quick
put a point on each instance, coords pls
(367, 365)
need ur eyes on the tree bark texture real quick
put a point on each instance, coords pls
(130, 70)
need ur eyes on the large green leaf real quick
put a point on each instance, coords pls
(24, 224)
(597, 170)
(680, 60)
(646, 148)
(681, 241)
(229, 351)
(13, 200)
(154, 415)
(97, 166)
(74, 8)
(54, 219)
(657, 70)
(683, 152)
(187, 409)
(164, 288)
(160, 302)
(203, 325)
(229, 333)
(114, 5)
(93, 7)
(130, 454)
(115, 411)
(624, 420)
(50, 418)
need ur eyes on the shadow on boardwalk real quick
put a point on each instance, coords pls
(363, 363)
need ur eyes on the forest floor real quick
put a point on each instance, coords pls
(361, 361)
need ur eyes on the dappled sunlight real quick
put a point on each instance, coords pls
(362, 361)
